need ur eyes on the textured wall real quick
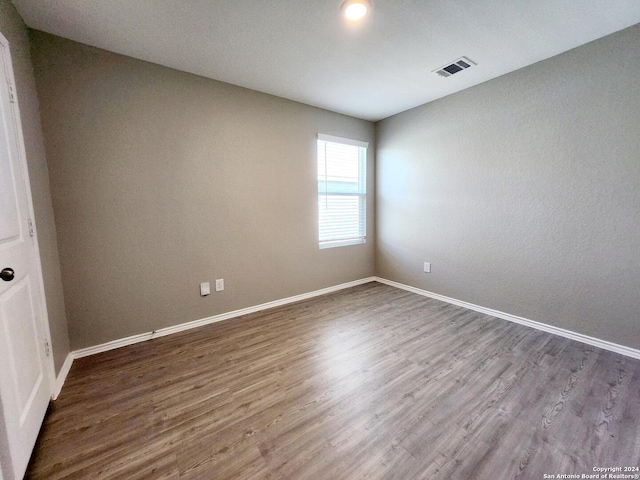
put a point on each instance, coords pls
(14, 30)
(524, 192)
(162, 180)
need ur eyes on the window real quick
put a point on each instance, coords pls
(342, 191)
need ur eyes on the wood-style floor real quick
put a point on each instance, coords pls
(370, 382)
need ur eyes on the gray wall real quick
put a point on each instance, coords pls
(524, 192)
(14, 30)
(162, 180)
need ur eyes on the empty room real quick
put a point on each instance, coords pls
(321, 239)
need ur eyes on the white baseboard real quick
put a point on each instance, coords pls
(596, 342)
(62, 376)
(84, 352)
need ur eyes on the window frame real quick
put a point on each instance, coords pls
(361, 193)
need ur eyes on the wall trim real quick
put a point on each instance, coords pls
(62, 376)
(122, 342)
(84, 352)
(596, 342)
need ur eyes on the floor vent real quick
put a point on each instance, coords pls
(454, 67)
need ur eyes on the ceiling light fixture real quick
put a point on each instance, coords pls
(355, 10)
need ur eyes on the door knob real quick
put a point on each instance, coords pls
(7, 274)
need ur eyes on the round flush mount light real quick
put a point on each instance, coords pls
(355, 10)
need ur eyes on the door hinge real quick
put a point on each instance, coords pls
(12, 94)
(47, 348)
(31, 230)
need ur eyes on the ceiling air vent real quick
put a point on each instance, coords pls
(454, 67)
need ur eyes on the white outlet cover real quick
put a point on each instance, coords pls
(427, 267)
(219, 284)
(205, 289)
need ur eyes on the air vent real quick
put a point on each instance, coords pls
(454, 67)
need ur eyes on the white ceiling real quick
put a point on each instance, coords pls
(303, 50)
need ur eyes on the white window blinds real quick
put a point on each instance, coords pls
(342, 193)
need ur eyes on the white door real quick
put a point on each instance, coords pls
(25, 375)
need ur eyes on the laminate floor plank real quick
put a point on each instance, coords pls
(369, 382)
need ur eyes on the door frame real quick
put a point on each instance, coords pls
(42, 312)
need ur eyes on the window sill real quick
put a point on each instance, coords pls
(342, 243)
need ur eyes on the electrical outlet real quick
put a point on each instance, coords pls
(205, 289)
(219, 284)
(427, 267)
